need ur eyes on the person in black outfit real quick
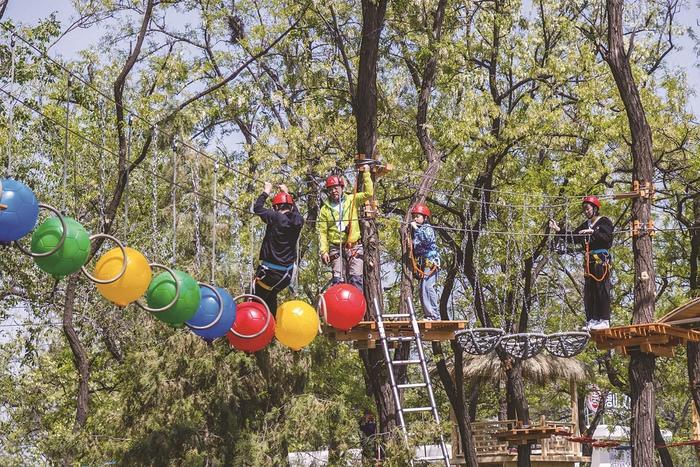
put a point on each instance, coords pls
(368, 431)
(595, 234)
(278, 252)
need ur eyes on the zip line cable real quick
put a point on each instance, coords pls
(126, 109)
(63, 67)
(248, 213)
(111, 152)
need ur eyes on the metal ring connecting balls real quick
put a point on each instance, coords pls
(267, 321)
(58, 246)
(124, 261)
(174, 300)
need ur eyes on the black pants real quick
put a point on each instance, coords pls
(596, 292)
(270, 282)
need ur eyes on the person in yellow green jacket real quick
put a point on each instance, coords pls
(339, 229)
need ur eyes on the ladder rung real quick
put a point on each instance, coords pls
(405, 362)
(401, 339)
(418, 409)
(411, 385)
(396, 315)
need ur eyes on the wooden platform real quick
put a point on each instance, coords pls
(366, 335)
(530, 434)
(654, 338)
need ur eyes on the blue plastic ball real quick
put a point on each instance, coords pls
(207, 312)
(19, 218)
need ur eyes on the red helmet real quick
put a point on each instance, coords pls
(334, 180)
(282, 198)
(592, 200)
(420, 209)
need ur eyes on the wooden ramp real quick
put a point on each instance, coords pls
(653, 338)
(686, 315)
(366, 335)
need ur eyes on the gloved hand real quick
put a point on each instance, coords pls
(586, 231)
(414, 225)
(553, 225)
(267, 188)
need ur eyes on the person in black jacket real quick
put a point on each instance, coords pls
(278, 252)
(595, 234)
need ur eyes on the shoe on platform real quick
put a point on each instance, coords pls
(601, 324)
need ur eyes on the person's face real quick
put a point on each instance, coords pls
(418, 218)
(335, 192)
(588, 210)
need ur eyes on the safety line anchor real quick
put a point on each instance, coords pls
(639, 190)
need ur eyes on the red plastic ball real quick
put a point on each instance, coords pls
(345, 306)
(250, 319)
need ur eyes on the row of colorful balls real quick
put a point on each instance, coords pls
(61, 246)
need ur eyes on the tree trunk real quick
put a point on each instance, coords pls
(518, 407)
(693, 348)
(80, 357)
(642, 365)
(365, 111)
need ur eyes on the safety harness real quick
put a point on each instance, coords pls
(418, 271)
(600, 256)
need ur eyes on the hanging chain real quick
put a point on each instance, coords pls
(11, 111)
(194, 175)
(154, 199)
(65, 148)
(102, 170)
(129, 134)
(212, 275)
(251, 262)
(174, 203)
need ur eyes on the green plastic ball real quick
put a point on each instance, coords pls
(162, 291)
(73, 253)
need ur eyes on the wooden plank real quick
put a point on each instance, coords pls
(688, 311)
(659, 350)
(634, 341)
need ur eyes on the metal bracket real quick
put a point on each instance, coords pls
(637, 228)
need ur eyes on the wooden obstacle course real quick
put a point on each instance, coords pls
(553, 450)
(657, 338)
(366, 334)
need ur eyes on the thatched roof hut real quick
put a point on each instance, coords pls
(542, 368)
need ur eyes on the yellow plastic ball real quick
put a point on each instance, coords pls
(132, 284)
(297, 324)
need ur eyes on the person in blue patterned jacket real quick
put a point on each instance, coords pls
(425, 254)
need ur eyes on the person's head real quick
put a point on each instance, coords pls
(334, 187)
(590, 206)
(368, 414)
(420, 213)
(282, 201)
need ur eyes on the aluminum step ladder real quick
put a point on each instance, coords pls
(396, 389)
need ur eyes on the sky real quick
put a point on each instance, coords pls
(684, 57)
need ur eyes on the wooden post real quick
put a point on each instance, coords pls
(574, 407)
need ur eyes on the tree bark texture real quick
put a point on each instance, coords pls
(365, 111)
(80, 357)
(641, 366)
